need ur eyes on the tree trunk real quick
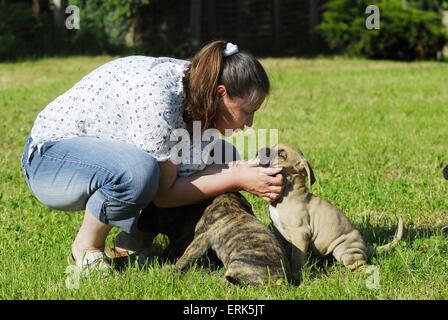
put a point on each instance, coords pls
(59, 7)
(277, 22)
(445, 22)
(36, 8)
(313, 22)
(130, 38)
(195, 19)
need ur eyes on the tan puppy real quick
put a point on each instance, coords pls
(249, 250)
(310, 223)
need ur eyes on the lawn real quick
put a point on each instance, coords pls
(375, 133)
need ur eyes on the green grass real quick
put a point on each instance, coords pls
(375, 133)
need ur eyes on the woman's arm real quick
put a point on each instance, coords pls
(214, 180)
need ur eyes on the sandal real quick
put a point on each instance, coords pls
(91, 262)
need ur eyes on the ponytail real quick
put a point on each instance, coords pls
(200, 82)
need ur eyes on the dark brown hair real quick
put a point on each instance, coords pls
(241, 74)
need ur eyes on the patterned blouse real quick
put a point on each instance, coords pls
(136, 100)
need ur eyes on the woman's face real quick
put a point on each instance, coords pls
(233, 113)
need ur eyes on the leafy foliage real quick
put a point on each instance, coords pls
(105, 23)
(432, 5)
(21, 33)
(405, 33)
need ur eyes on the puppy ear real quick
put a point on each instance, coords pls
(310, 173)
(304, 164)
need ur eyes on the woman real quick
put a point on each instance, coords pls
(104, 145)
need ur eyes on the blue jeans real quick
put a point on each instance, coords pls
(113, 180)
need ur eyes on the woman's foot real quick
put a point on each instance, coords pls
(89, 259)
(95, 261)
(88, 247)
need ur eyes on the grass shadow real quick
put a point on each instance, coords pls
(154, 257)
(376, 234)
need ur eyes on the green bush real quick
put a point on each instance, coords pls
(104, 24)
(431, 5)
(404, 34)
(22, 34)
(104, 28)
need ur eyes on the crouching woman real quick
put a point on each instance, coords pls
(104, 145)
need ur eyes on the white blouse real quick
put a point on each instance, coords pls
(136, 100)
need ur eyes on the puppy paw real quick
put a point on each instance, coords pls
(181, 266)
(353, 261)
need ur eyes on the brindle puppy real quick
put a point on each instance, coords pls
(247, 248)
(177, 224)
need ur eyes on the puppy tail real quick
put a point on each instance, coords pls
(393, 243)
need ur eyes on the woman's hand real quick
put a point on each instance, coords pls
(266, 183)
(214, 180)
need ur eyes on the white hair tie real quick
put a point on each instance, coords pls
(230, 49)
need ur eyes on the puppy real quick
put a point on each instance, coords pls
(248, 249)
(310, 223)
(178, 224)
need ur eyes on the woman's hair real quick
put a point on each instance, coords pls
(241, 74)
